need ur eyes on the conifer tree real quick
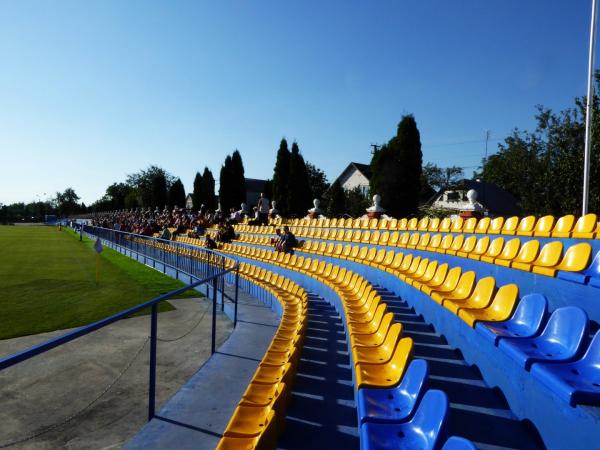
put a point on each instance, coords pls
(238, 181)
(177, 194)
(208, 189)
(197, 194)
(225, 191)
(336, 204)
(281, 175)
(299, 184)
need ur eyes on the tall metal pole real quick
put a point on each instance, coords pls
(588, 113)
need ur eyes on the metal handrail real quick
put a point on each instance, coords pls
(38, 349)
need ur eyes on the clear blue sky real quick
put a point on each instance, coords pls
(93, 90)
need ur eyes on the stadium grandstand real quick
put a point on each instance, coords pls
(453, 333)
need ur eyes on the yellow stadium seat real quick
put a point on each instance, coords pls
(326, 233)
(509, 253)
(499, 310)
(384, 238)
(467, 247)
(427, 274)
(493, 250)
(414, 240)
(482, 225)
(510, 226)
(414, 266)
(387, 374)
(412, 224)
(447, 285)
(393, 225)
(419, 272)
(380, 354)
(396, 263)
(577, 257)
(563, 226)
(469, 225)
(445, 225)
(480, 249)
(373, 339)
(356, 223)
(459, 290)
(479, 298)
(403, 224)
(356, 236)
(384, 224)
(406, 263)
(423, 224)
(496, 225)
(526, 226)
(333, 223)
(434, 242)
(371, 327)
(362, 254)
(457, 225)
(527, 255)
(457, 244)
(389, 258)
(445, 244)
(434, 224)
(438, 278)
(585, 227)
(423, 241)
(379, 258)
(549, 256)
(373, 223)
(371, 254)
(348, 235)
(404, 240)
(244, 443)
(375, 236)
(394, 237)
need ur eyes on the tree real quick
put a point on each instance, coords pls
(116, 194)
(66, 202)
(197, 194)
(317, 180)
(268, 190)
(225, 189)
(396, 170)
(177, 194)
(237, 181)
(356, 202)
(281, 175)
(438, 178)
(208, 189)
(336, 200)
(151, 186)
(300, 193)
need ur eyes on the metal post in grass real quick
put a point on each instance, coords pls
(152, 380)
(223, 285)
(214, 316)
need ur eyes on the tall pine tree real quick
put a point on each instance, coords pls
(198, 194)
(208, 189)
(396, 169)
(177, 194)
(225, 191)
(336, 200)
(299, 184)
(238, 181)
(281, 175)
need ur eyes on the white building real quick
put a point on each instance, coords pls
(355, 175)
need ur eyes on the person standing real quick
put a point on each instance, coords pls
(263, 209)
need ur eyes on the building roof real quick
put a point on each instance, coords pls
(364, 169)
(495, 199)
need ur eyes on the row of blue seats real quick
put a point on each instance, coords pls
(551, 348)
(407, 416)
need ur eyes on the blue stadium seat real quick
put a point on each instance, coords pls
(458, 443)
(396, 404)
(559, 342)
(526, 321)
(577, 382)
(421, 432)
(590, 275)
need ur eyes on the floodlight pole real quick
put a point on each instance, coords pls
(588, 112)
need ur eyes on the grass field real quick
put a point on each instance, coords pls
(47, 281)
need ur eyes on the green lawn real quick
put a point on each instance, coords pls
(47, 281)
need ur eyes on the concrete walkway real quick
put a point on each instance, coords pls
(92, 393)
(196, 416)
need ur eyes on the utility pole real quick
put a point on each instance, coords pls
(488, 133)
(588, 113)
(375, 148)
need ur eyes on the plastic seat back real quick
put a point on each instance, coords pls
(384, 224)
(510, 250)
(423, 224)
(445, 225)
(458, 443)
(483, 225)
(593, 271)
(496, 225)
(568, 326)
(529, 251)
(446, 242)
(412, 224)
(402, 224)
(469, 225)
(414, 381)
(577, 258)
(563, 226)
(375, 236)
(549, 255)
(526, 226)
(424, 241)
(481, 246)
(457, 243)
(434, 224)
(434, 242)
(544, 226)
(393, 224)
(404, 239)
(457, 225)
(366, 237)
(529, 314)
(469, 244)
(429, 419)
(510, 225)
(585, 226)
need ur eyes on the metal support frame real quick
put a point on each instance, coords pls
(589, 112)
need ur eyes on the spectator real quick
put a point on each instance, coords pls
(166, 233)
(263, 209)
(289, 241)
(210, 243)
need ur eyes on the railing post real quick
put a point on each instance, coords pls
(152, 380)
(176, 261)
(237, 284)
(214, 317)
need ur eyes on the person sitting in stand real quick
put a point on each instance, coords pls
(289, 241)
(165, 234)
(256, 219)
(210, 243)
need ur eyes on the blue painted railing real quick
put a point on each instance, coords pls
(206, 268)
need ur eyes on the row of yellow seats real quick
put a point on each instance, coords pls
(380, 354)
(260, 414)
(530, 256)
(450, 287)
(585, 227)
